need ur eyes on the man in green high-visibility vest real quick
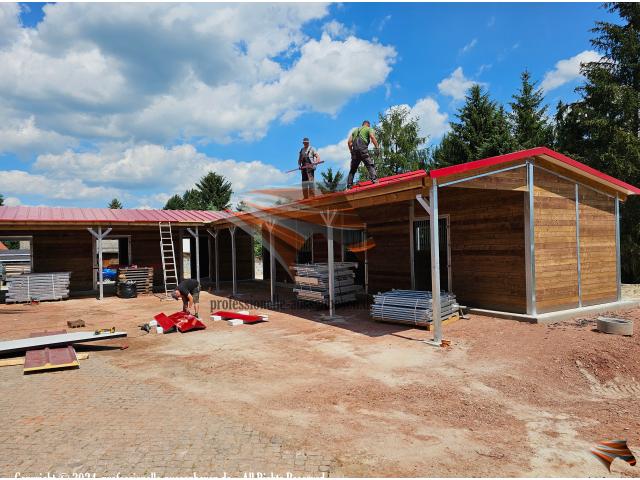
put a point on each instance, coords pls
(359, 147)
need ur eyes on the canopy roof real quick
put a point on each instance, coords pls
(96, 216)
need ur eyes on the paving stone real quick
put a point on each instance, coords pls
(97, 410)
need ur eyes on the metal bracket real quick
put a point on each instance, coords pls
(98, 236)
(425, 204)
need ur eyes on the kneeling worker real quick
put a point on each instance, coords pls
(189, 291)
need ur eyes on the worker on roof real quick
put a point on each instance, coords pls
(308, 158)
(359, 147)
(189, 291)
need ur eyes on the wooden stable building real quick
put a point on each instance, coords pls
(527, 233)
(69, 240)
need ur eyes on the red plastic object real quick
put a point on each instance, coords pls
(167, 324)
(183, 322)
(245, 318)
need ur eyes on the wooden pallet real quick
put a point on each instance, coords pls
(143, 276)
(452, 318)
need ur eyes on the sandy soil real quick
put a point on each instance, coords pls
(505, 399)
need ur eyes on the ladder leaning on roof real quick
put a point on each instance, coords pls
(167, 251)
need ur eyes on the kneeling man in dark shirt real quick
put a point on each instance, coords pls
(189, 291)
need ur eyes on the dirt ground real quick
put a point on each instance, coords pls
(505, 399)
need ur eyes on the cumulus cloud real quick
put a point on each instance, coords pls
(171, 170)
(160, 72)
(336, 29)
(9, 22)
(568, 70)
(24, 137)
(18, 182)
(337, 153)
(12, 202)
(456, 84)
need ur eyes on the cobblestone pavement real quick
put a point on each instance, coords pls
(94, 420)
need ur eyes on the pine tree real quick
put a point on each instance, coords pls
(603, 127)
(175, 203)
(215, 192)
(528, 118)
(115, 204)
(482, 131)
(402, 149)
(331, 181)
(1, 200)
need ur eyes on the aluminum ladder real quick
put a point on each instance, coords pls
(168, 253)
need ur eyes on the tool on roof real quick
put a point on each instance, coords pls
(306, 166)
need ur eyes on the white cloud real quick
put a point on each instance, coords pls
(469, 46)
(12, 201)
(456, 84)
(568, 70)
(171, 170)
(23, 137)
(433, 123)
(9, 22)
(160, 72)
(18, 182)
(337, 153)
(336, 29)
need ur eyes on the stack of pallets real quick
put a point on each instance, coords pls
(411, 306)
(312, 282)
(143, 276)
(38, 287)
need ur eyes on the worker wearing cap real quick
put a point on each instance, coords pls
(189, 291)
(307, 161)
(359, 147)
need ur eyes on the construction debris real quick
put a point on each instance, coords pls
(38, 287)
(60, 340)
(615, 326)
(411, 307)
(312, 282)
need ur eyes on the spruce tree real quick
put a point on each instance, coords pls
(174, 203)
(528, 118)
(192, 200)
(482, 130)
(215, 192)
(115, 204)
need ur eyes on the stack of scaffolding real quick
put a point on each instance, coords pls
(312, 282)
(411, 306)
(38, 287)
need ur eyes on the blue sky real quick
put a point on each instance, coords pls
(139, 101)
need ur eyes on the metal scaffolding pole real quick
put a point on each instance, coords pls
(232, 230)
(618, 269)
(214, 234)
(100, 236)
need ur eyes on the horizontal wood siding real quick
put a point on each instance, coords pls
(487, 247)
(597, 247)
(389, 260)
(555, 242)
(59, 251)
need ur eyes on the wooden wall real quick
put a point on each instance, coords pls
(487, 247)
(556, 247)
(597, 247)
(556, 262)
(244, 255)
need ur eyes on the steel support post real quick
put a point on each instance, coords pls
(411, 246)
(331, 269)
(618, 268)
(100, 236)
(232, 231)
(530, 254)
(196, 235)
(578, 246)
(214, 234)
(435, 264)
(366, 262)
(272, 265)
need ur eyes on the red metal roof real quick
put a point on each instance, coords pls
(544, 152)
(401, 177)
(105, 215)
